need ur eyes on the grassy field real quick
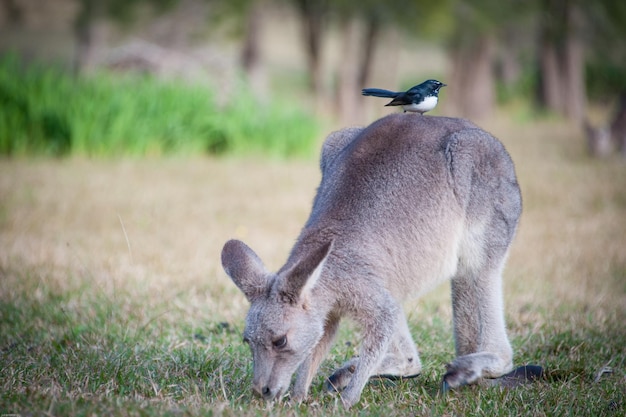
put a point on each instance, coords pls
(113, 301)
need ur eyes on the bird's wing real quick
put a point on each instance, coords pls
(416, 95)
(379, 92)
(404, 99)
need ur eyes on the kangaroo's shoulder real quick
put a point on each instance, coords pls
(447, 143)
(398, 132)
(404, 137)
(415, 124)
(387, 132)
(449, 135)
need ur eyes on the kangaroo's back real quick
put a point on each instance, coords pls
(406, 161)
(409, 191)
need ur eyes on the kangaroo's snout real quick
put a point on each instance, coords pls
(265, 392)
(260, 391)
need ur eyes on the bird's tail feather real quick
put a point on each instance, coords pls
(378, 92)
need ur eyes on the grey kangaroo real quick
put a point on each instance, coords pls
(403, 205)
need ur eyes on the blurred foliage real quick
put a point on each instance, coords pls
(47, 111)
(605, 80)
(525, 87)
(122, 11)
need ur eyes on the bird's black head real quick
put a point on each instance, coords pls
(433, 85)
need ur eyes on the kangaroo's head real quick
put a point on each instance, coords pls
(282, 326)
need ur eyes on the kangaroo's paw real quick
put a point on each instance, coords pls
(458, 374)
(341, 377)
(469, 369)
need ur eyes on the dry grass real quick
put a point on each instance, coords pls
(149, 225)
(125, 254)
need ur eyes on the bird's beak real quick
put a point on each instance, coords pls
(443, 85)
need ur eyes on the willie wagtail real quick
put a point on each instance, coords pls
(418, 99)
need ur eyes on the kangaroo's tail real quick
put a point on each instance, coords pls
(378, 92)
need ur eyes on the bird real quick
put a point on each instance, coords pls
(418, 99)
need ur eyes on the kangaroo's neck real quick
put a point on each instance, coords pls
(310, 238)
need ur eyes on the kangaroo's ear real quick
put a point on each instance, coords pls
(297, 281)
(245, 268)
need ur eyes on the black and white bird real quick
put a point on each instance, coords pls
(419, 99)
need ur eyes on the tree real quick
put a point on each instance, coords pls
(121, 11)
(251, 61)
(472, 49)
(361, 25)
(472, 83)
(313, 14)
(10, 11)
(359, 29)
(246, 19)
(562, 58)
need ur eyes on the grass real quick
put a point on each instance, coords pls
(45, 111)
(113, 302)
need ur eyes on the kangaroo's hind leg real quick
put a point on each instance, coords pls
(486, 187)
(482, 346)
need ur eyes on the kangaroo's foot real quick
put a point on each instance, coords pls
(393, 370)
(519, 376)
(470, 368)
(342, 376)
(457, 376)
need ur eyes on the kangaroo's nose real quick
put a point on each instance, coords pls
(264, 392)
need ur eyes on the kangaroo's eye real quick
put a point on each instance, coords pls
(280, 343)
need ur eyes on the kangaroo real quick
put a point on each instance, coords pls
(403, 205)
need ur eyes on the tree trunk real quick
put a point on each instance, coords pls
(472, 91)
(312, 14)
(10, 14)
(562, 60)
(618, 125)
(573, 67)
(372, 33)
(251, 61)
(83, 35)
(348, 91)
(550, 96)
(481, 96)
(510, 67)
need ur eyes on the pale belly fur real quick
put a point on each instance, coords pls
(427, 104)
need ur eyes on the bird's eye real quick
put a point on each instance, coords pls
(280, 343)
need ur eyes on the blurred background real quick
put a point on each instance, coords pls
(142, 77)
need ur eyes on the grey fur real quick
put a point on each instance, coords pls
(403, 205)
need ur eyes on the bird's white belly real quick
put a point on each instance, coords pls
(427, 104)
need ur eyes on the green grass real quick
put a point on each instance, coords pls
(113, 301)
(80, 351)
(46, 111)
